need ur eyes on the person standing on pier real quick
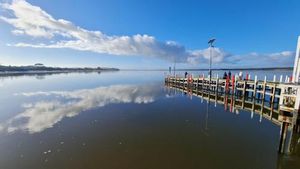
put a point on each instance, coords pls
(229, 74)
(225, 75)
(185, 74)
(241, 75)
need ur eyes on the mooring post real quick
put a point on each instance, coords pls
(226, 102)
(296, 114)
(231, 104)
(298, 125)
(197, 85)
(244, 94)
(233, 85)
(282, 139)
(263, 95)
(202, 85)
(272, 100)
(217, 88)
(227, 84)
(254, 93)
(280, 79)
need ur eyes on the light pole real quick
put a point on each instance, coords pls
(210, 43)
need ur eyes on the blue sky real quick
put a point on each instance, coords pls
(149, 34)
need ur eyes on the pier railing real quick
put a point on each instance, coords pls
(275, 101)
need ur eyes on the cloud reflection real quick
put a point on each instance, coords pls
(40, 115)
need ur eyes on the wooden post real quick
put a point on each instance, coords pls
(233, 85)
(298, 126)
(263, 96)
(244, 94)
(217, 88)
(254, 93)
(272, 100)
(227, 85)
(282, 139)
(203, 85)
(197, 86)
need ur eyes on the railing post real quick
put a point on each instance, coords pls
(282, 139)
(244, 94)
(272, 100)
(254, 93)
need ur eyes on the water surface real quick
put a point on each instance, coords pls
(127, 120)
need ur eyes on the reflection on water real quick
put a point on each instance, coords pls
(41, 115)
(291, 159)
(127, 120)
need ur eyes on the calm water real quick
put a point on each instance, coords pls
(128, 120)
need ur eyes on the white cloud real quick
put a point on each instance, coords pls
(33, 21)
(200, 56)
(285, 58)
(41, 115)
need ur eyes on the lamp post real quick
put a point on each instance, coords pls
(210, 43)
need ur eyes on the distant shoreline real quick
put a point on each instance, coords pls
(20, 70)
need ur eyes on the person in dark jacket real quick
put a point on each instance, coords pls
(225, 75)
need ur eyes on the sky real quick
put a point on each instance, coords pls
(149, 34)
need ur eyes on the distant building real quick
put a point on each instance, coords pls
(39, 65)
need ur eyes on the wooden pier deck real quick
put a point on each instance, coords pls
(275, 101)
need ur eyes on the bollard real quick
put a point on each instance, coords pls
(233, 82)
(227, 84)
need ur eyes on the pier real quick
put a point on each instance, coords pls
(272, 100)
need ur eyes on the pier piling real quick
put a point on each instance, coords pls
(276, 101)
